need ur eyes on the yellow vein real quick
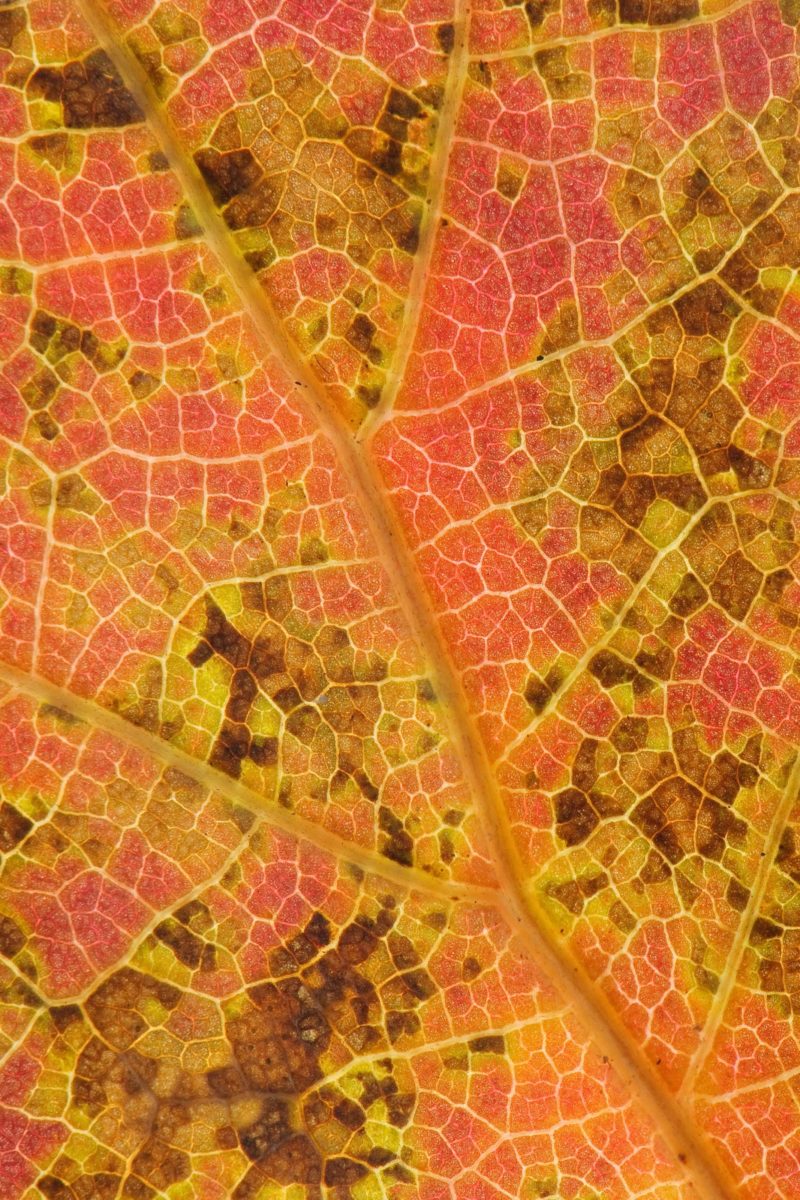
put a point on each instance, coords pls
(456, 75)
(593, 648)
(404, 574)
(95, 716)
(739, 944)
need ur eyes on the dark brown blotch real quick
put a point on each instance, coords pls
(185, 945)
(399, 845)
(629, 735)
(488, 1044)
(90, 91)
(160, 1164)
(12, 939)
(12, 22)
(272, 1127)
(446, 37)
(689, 596)
(609, 669)
(14, 827)
(227, 175)
(230, 749)
(575, 817)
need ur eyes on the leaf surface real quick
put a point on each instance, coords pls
(398, 600)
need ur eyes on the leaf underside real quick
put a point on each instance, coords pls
(399, 687)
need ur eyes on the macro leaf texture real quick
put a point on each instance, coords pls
(399, 600)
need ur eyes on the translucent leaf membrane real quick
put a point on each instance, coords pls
(179, 541)
(593, 453)
(192, 997)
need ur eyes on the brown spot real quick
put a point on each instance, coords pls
(419, 984)
(737, 895)
(59, 714)
(227, 175)
(736, 585)
(621, 916)
(655, 869)
(399, 1109)
(764, 931)
(142, 384)
(52, 147)
(272, 1127)
(293, 1162)
(349, 1114)
(114, 1007)
(12, 939)
(55, 1189)
(64, 1015)
(536, 11)
(400, 846)
(223, 638)
(667, 817)
(160, 1164)
(707, 310)
(186, 223)
(445, 36)
(470, 969)
(630, 734)
(488, 1044)
(609, 669)
(12, 22)
(689, 596)
(343, 1172)
(186, 946)
(361, 333)
(568, 895)
(242, 694)
(355, 709)
(537, 693)
(584, 766)
(575, 817)
(563, 82)
(722, 778)
(508, 182)
(90, 91)
(658, 663)
(401, 1024)
(230, 748)
(14, 826)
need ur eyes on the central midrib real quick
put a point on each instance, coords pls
(631, 1065)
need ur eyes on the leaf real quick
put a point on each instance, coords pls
(398, 600)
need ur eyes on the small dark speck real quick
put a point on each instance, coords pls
(682, 1158)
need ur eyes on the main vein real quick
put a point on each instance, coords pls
(632, 1066)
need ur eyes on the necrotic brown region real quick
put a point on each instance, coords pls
(319, 685)
(90, 91)
(278, 1031)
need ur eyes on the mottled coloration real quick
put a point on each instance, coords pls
(399, 651)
